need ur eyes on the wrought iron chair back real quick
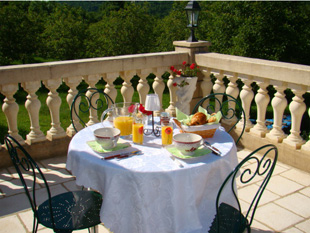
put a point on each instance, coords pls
(49, 213)
(87, 105)
(230, 107)
(256, 168)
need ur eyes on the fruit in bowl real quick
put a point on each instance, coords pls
(107, 137)
(187, 143)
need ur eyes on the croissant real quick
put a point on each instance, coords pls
(199, 118)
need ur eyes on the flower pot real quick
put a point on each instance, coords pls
(185, 93)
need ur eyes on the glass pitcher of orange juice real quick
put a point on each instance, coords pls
(122, 115)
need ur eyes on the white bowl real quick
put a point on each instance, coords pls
(107, 137)
(187, 143)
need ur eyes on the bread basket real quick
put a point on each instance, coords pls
(205, 131)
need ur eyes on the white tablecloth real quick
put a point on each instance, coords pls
(150, 193)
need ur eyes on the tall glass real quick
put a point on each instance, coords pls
(137, 131)
(166, 133)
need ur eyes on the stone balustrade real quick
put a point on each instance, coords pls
(264, 73)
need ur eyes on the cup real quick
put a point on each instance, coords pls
(166, 132)
(107, 137)
(122, 115)
(137, 131)
(187, 143)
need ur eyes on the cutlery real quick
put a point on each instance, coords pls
(122, 155)
(212, 148)
(176, 161)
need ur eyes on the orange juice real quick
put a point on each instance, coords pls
(166, 135)
(137, 133)
(124, 124)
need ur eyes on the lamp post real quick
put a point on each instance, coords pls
(192, 11)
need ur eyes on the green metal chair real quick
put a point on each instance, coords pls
(230, 107)
(62, 213)
(230, 218)
(86, 104)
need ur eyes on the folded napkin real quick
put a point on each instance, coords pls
(201, 151)
(121, 144)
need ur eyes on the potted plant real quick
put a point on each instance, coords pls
(185, 79)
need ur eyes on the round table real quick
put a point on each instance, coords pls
(150, 193)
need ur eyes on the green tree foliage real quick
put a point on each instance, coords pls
(17, 33)
(64, 33)
(126, 31)
(269, 30)
(54, 30)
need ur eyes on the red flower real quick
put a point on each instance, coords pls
(179, 72)
(172, 68)
(142, 109)
(192, 66)
(184, 63)
(131, 108)
(174, 84)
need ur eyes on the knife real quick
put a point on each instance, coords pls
(212, 148)
(122, 155)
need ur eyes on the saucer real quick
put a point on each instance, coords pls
(201, 151)
(97, 147)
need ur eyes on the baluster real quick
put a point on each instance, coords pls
(279, 104)
(307, 145)
(262, 99)
(10, 109)
(172, 90)
(110, 87)
(33, 106)
(127, 89)
(206, 84)
(72, 83)
(92, 80)
(159, 87)
(233, 90)
(53, 102)
(143, 87)
(297, 108)
(219, 87)
(246, 96)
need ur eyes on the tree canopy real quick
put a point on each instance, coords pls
(61, 31)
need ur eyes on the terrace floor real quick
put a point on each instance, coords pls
(284, 206)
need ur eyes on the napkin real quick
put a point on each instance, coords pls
(97, 148)
(201, 151)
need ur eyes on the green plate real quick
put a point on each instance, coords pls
(201, 151)
(97, 148)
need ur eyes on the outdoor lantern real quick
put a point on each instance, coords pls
(192, 11)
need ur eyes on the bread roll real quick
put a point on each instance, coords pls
(199, 118)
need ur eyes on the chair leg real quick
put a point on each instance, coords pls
(35, 225)
(93, 229)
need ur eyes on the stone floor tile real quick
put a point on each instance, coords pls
(58, 176)
(11, 224)
(276, 217)
(305, 191)
(257, 226)
(247, 194)
(27, 219)
(55, 163)
(72, 186)
(282, 186)
(304, 226)
(15, 186)
(297, 203)
(293, 230)
(298, 176)
(12, 204)
(5, 175)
